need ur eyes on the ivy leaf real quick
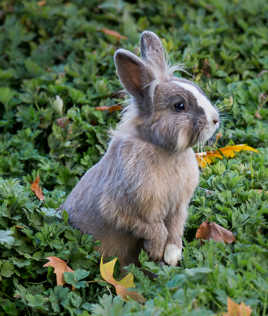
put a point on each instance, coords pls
(206, 158)
(235, 309)
(121, 287)
(5, 237)
(74, 278)
(214, 231)
(60, 267)
(37, 189)
(7, 269)
(6, 94)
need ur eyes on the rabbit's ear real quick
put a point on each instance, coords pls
(132, 72)
(152, 50)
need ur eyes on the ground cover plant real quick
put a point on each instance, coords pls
(56, 68)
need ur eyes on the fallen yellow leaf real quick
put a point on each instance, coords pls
(235, 309)
(208, 157)
(229, 151)
(121, 287)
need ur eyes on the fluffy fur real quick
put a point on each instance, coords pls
(137, 195)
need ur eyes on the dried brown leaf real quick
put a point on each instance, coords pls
(60, 267)
(115, 34)
(19, 226)
(37, 189)
(41, 3)
(206, 68)
(112, 108)
(260, 191)
(126, 294)
(214, 231)
(258, 116)
(218, 136)
(63, 122)
(235, 309)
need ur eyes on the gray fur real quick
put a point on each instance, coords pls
(135, 76)
(137, 195)
(152, 52)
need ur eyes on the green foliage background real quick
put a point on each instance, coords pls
(56, 48)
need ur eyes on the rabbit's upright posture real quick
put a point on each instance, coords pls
(137, 195)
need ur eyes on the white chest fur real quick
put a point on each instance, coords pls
(170, 184)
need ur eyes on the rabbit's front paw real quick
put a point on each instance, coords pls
(172, 254)
(155, 249)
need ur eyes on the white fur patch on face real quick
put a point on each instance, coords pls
(204, 103)
(172, 254)
(182, 140)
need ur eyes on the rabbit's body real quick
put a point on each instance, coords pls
(137, 195)
(118, 193)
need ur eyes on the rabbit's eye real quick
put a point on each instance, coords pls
(179, 106)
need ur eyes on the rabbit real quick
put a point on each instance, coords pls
(136, 197)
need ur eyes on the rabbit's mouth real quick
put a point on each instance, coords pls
(208, 131)
(201, 131)
(212, 124)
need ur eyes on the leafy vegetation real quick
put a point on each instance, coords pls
(56, 67)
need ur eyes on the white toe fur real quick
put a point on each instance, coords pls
(172, 254)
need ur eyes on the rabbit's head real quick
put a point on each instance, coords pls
(168, 111)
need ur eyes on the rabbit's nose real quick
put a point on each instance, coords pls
(215, 119)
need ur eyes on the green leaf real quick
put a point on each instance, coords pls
(85, 313)
(33, 68)
(35, 300)
(177, 281)
(6, 269)
(75, 299)
(65, 216)
(6, 94)
(80, 274)
(9, 307)
(74, 278)
(86, 306)
(6, 237)
(194, 271)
